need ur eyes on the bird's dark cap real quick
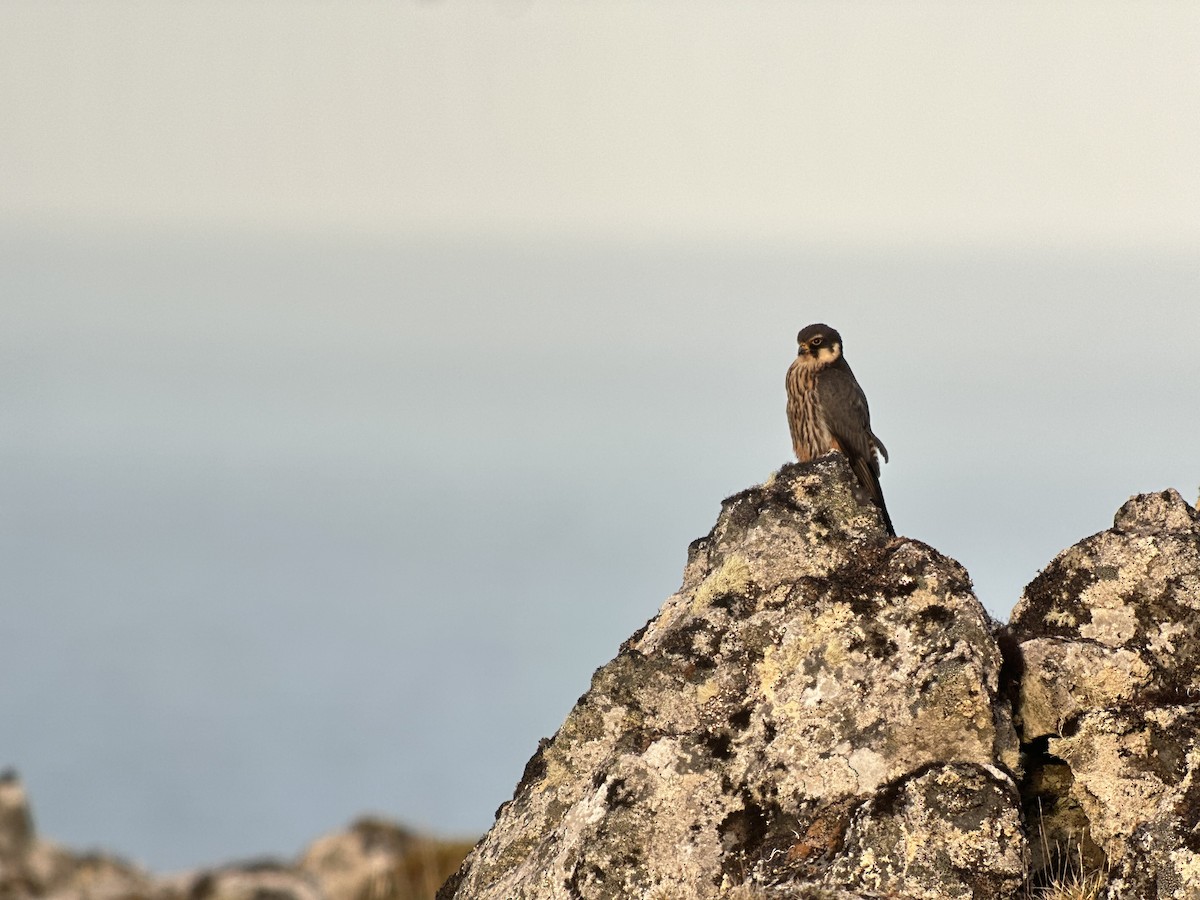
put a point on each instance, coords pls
(811, 331)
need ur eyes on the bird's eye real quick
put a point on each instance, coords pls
(816, 342)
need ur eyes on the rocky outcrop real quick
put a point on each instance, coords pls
(816, 710)
(816, 713)
(1109, 635)
(372, 860)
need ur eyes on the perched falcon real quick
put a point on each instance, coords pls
(827, 410)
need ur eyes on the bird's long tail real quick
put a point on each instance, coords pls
(887, 519)
(870, 481)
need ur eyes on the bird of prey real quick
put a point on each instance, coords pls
(827, 410)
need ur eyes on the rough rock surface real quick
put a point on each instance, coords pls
(1109, 635)
(817, 706)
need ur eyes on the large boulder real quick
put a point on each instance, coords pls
(815, 711)
(1109, 637)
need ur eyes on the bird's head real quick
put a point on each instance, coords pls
(819, 345)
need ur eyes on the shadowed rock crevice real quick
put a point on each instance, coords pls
(1060, 832)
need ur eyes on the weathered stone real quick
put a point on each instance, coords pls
(1156, 514)
(1064, 678)
(1109, 637)
(813, 690)
(16, 840)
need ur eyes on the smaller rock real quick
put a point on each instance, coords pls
(358, 862)
(30, 867)
(1137, 778)
(1113, 618)
(1109, 653)
(1156, 513)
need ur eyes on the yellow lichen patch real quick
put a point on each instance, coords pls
(778, 662)
(556, 775)
(1114, 626)
(733, 577)
(830, 630)
(1163, 643)
(707, 691)
(1118, 676)
(768, 670)
(825, 636)
(1061, 618)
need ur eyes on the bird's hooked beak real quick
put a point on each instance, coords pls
(802, 350)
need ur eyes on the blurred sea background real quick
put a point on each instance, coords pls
(366, 369)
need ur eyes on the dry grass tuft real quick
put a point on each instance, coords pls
(1069, 878)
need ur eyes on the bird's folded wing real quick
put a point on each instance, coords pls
(846, 414)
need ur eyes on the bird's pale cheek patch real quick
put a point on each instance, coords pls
(826, 355)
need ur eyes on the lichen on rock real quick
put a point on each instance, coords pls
(812, 691)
